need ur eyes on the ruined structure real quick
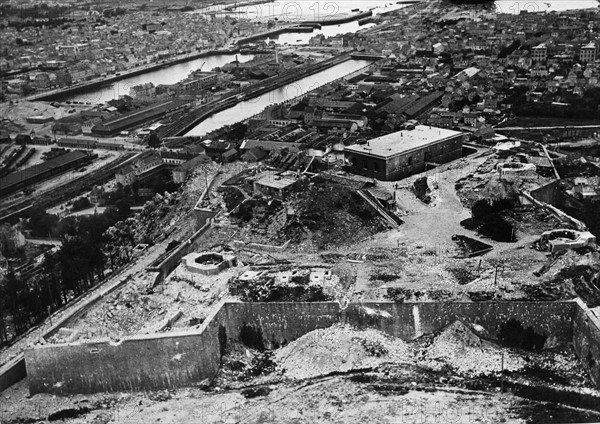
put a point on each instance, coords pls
(184, 358)
(208, 263)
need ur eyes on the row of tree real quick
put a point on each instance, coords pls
(77, 266)
(91, 244)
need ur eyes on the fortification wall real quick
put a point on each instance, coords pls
(283, 322)
(586, 340)
(134, 364)
(179, 359)
(12, 372)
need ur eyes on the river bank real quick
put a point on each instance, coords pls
(58, 94)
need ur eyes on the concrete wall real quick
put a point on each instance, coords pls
(411, 320)
(283, 322)
(586, 340)
(180, 359)
(134, 364)
(12, 372)
(549, 193)
(168, 265)
(260, 247)
(279, 322)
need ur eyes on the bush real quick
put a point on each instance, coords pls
(81, 203)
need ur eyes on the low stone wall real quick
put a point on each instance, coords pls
(179, 359)
(261, 247)
(170, 262)
(586, 340)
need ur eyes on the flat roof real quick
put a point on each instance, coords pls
(273, 179)
(40, 169)
(403, 141)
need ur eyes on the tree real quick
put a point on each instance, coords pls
(41, 223)
(81, 203)
(237, 132)
(153, 140)
(3, 316)
(124, 208)
(13, 290)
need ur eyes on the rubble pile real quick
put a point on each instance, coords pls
(182, 302)
(159, 218)
(569, 275)
(321, 216)
(339, 348)
(200, 177)
(261, 286)
(457, 346)
(123, 313)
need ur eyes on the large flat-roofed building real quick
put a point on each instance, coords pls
(403, 153)
(116, 125)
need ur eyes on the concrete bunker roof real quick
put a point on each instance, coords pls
(403, 141)
(274, 180)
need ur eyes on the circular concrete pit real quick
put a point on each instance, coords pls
(208, 263)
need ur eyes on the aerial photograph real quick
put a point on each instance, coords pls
(299, 211)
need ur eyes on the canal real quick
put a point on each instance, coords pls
(248, 108)
(302, 10)
(167, 75)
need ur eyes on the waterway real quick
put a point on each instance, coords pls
(517, 6)
(248, 108)
(300, 38)
(309, 10)
(313, 10)
(168, 75)
(293, 11)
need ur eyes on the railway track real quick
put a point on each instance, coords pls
(64, 192)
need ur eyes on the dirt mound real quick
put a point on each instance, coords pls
(321, 216)
(569, 275)
(339, 348)
(459, 347)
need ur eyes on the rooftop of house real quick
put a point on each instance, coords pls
(403, 141)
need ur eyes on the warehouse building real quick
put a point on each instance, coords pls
(40, 172)
(115, 126)
(403, 153)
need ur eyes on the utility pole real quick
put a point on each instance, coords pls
(496, 275)
(502, 374)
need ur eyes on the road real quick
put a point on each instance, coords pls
(557, 127)
(54, 242)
